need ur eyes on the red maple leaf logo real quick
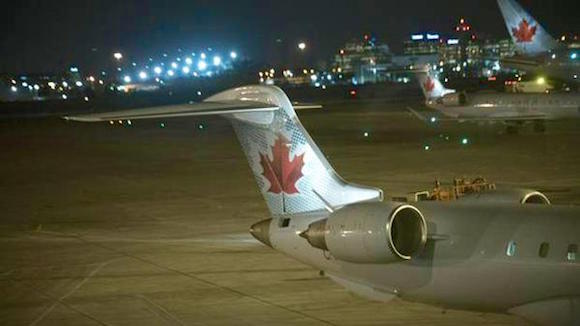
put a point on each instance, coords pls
(281, 172)
(429, 85)
(524, 33)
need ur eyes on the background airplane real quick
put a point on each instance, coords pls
(506, 251)
(513, 109)
(538, 52)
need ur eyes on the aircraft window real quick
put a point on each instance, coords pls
(544, 248)
(572, 251)
(511, 249)
(285, 223)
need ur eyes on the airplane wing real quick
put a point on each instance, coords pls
(179, 110)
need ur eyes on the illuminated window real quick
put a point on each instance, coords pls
(511, 249)
(544, 248)
(572, 251)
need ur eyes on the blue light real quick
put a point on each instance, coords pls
(217, 61)
(573, 56)
(432, 36)
(452, 41)
(417, 37)
(188, 61)
(143, 75)
(233, 55)
(185, 70)
(157, 70)
(127, 79)
(170, 73)
(174, 65)
(202, 65)
(74, 69)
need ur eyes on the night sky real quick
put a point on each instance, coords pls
(45, 36)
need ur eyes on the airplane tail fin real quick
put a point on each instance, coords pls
(431, 86)
(528, 35)
(292, 173)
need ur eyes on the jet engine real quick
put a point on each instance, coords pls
(514, 196)
(454, 99)
(370, 233)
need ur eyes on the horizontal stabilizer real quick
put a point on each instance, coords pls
(180, 110)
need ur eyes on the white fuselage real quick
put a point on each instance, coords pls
(512, 106)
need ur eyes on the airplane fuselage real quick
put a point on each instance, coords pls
(512, 106)
(477, 256)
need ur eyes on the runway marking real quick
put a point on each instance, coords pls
(199, 279)
(160, 311)
(48, 310)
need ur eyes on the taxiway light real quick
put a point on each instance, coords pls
(174, 65)
(202, 55)
(366, 134)
(202, 65)
(217, 61)
(79, 84)
(188, 61)
(111, 122)
(170, 73)
(162, 125)
(433, 119)
(157, 70)
(464, 141)
(118, 55)
(14, 89)
(198, 93)
(129, 122)
(233, 55)
(573, 56)
(86, 98)
(185, 70)
(427, 147)
(302, 46)
(64, 97)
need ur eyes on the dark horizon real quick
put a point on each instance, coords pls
(40, 36)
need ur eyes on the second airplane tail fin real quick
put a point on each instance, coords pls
(431, 86)
(528, 35)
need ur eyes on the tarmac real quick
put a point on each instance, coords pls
(142, 225)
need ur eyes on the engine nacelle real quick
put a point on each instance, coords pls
(513, 196)
(454, 99)
(370, 233)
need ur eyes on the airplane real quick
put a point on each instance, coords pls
(513, 109)
(537, 51)
(510, 252)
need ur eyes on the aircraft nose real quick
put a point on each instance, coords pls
(261, 231)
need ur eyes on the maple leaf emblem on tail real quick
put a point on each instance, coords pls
(429, 85)
(524, 33)
(281, 172)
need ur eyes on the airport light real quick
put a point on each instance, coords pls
(573, 56)
(52, 85)
(426, 147)
(24, 84)
(202, 65)
(74, 69)
(79, 83)
(464, 141)
(64, 97)
(127, 79)
(188, 61)
(14, 89)
(185, 70)
(313, 78)
(118, 56)
(64, 84)
(36, 87)
(142, 75)
(217, 61)
(174, 65)
(170, 73)
(157, 70)
(203, 56)
(233, 55)
(302, 46)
